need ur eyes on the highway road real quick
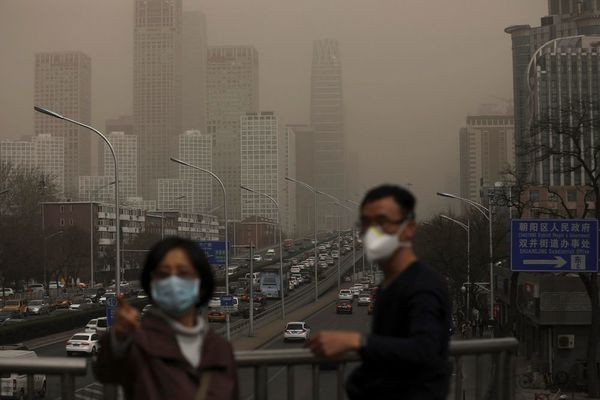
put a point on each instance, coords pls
(326, 318)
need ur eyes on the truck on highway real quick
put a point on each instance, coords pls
(270, 282)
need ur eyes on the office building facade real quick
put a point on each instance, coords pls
(232, 87)
(304, 170)
(126, 149)
(193, 71)
(157, 86)
(63, 83)
(175, 195)
(196, 148)
(487, 153)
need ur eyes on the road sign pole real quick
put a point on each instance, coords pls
(251, 324)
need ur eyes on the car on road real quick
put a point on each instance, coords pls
(7, 291)
(330, 261)
(295, 269)
(347, 278)
(14, 385)
(296, 331)
(91, 326)
(257, 258)
(16, 306)
(322, 264)
(343, 307)
(36, 288)
(216, 316)
(335, 254)
(5, 317)
(345, 294)
(298, 278)
(141, 294)
(356, 289)
(364, 299)
(102, 299)
(61, 304)
(83, 305)
(102, 325)
(83, 343)
(306, 277)
(38, 307)
(147, 308)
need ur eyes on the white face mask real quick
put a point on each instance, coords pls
(380, 246)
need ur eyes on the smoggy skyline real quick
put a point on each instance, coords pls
(411, 71)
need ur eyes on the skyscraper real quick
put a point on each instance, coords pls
(194, 71)
(327, 117)
(232, 87)
(304, 170)
(260, 164)
(123, 123)
(63, 84)
(126, 148)
(157, 88)
(175, 195)
(43, 152)
(487, 150)
(196, 148)
(566, 18)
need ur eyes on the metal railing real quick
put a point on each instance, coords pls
(65, 368)
(502, 383)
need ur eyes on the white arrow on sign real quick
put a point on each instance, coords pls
(558, 262)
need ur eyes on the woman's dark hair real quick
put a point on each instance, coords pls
(195, 254)
(405, 200)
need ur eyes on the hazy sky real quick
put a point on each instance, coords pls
(412, 69)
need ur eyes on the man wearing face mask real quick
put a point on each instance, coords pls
(406, 354)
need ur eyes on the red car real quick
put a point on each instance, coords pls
(343, 307)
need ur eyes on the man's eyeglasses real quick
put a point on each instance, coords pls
(384, 223)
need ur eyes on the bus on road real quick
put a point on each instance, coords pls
(270, 282)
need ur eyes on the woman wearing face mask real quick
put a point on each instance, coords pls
(172, 353)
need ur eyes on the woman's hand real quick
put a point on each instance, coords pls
(127, 319)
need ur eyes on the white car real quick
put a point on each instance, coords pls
(102, 325)
(356, 289)
(38, 307)
(14, 385)
(36, 288)
(322, 264)
(364, 299)
(7, 291)
(335, 254)
(296, 331)
(84, 342)
(345, 294)
(298, 278)
(257, 258)
(291, 285)
(91, 326)
(295, 269)
(102, 300)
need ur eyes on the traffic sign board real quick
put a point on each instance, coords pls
(226, 301)
(215, 251)
(110, 312)
(554, 245)
(111, 301)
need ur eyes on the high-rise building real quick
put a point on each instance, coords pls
(49, 153)
(232, 87)
(260, 164)
(287, 193)
(43, 152)
(194, 71)
(487, 151)
(175, 195)
(97, 188)
(304, 170)
(564, 87)
(565, 18)
(196, 148)
(126, 149)
(123, 124)
(63, 83)
(327, 117)
(157, 88)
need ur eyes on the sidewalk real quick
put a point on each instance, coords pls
(273, 329)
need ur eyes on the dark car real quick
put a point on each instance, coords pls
(258, 309)
(343, 307)
(5, 316)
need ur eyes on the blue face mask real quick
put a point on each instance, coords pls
(175, 295)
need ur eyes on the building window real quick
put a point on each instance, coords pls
(62, 222)
(62, 209)
(534, 196)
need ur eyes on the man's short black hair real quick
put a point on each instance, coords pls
(197, 258)
(405, 199)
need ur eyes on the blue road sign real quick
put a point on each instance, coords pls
(215, 251)
(110, 313)
(554, 245)
(227, 301)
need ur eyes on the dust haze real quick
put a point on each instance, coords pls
(412, 69)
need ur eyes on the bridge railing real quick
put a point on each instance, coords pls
(501, 383)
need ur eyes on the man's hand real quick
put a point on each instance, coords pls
(127, 319)
(334, 343)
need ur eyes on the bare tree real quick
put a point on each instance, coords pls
(566, 141)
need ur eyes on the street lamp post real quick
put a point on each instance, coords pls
(339, 204)
(280, 222)
(50, 236)
(467, 228)
(316, 267)
(487, 213)
(116, 165)
(354, 241)
(175, 160)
